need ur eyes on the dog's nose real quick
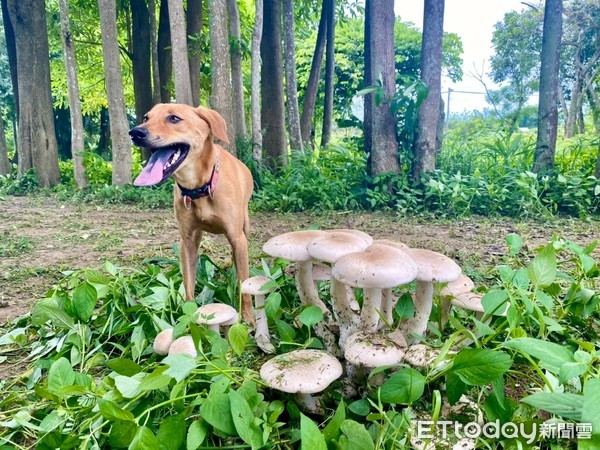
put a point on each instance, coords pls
(138, 134)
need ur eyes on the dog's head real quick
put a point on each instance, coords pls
(172, 131)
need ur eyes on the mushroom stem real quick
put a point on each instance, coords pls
(347, 318)
(423, 301)
(369, 317)
(261, 332)
(387, 307)
(309, 403)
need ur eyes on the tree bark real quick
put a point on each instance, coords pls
(181, 65)
(384, 143)
(548, 98)
(291, 84)
(237, 75)
(119, 126)
(165, 55)
(368, 99)
(194, 34)
(329, 75)
(77, 132)
(273, 115)
(255, 82)
(154, 53)
(431, 74)
(5, 166)
(11, 51)
(38, 148)
(312, 87)
(220, 95)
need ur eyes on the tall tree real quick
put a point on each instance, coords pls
(255, 81)
(291, 85)
(273, 114)
(119, 127)
(312, 87)
(220, 62)
(181, 65)
(431, 75)
(368, 98)
(5, 168)
(164, 53)
(154, 53)
(329, 74)
(11, 51)
(548, 98)
(194, 31)
(237, 75)
(77, 132)
(383, 142)
(38, 148)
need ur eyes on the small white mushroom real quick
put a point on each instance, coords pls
(256, 286)
(213, 315)
(184, 344)
(451, 290)
(163, 341)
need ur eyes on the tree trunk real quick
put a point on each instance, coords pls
(329, 75)
(141, 63)
(38, 148)
(165, 55)
(220, 95)
(291, 84)
(255, 82)
(571, 125)
(11, 51)
(194, 35)
(119, 126)
(368, 99)
(273, 115)
(237, 76)
(77, 132)
(181, 65)
(431, 74)
(154, 53)
(312, 87)
(384, 143)
(5, 167)
(597, 171)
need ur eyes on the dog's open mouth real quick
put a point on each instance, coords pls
(162, 164)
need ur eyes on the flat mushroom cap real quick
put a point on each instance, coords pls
(292, 245)
(395, 244)
(254, 285)
(379, 266)
(433, 267)
(183, 344)
(333, 245)
(163, 341)
(361, 234)
(469, 301)
(321, 272)
(373, 350)
(460, 286)
(420, 355)
(215, 313)
(301, 371)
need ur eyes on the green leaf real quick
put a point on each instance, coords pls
(85, 298)
(286, 331)
(572, 370)
(171, 433)
(144, 439)
(238, 338)
(122, 434)
(310, 435)
(551, 356)
(360, 407)
(110, 411)
(311, 315)
(405, 308)
(47, 309)
(494, 301)
(454, 387)
(60, 375)
(180, 365)
(216, 410)
(129, 387)
(591, 404)
(358, 438)
(569, 406)
(243, 419)
(332, 431)
(405, 386)
(542, 269)
(476, 367)
(124, 366)
(514, 243)
(196, 434)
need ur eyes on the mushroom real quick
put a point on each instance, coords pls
(214, 315)
(163, 341)
(462, 285)
(184, 344)
(432, 268)
(302, 372)
(256, 286)
(361, 234)
(378, 267)
(420, 355)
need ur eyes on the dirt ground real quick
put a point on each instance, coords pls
(40, 237)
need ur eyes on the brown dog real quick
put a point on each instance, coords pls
(212, 187)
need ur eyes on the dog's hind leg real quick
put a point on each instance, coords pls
(239, 244)
(189, 244)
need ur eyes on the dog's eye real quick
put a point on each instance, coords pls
(174, 119)
(145, 119)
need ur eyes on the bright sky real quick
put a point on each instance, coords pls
(473, 21)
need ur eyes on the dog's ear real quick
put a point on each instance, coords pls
(215, 122)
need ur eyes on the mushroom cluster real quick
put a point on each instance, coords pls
(364, 331)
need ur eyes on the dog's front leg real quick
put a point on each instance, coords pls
(239, 245)
(189, 243)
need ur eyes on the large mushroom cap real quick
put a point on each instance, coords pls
(373, 350)
(460, 286)
(215, 314)
(256, 285)
(379, 266)
(163, 341)
(333, 245)
(433, 267)
(184, 344)
(395, 244)
(301, 371)
(361, 234)
(292, 246)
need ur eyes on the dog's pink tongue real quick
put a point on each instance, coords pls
(153, 172)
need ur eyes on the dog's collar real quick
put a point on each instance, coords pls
(205, 190)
